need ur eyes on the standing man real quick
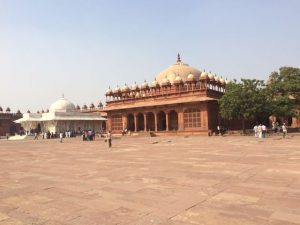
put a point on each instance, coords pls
(284, 130)
(60, 136)
(109, 138)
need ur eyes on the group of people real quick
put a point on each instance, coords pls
(260, 130)
(91, 135)
(88, 135)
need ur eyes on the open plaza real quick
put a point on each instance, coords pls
(165, 180)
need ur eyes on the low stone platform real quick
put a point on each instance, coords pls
(151, 180)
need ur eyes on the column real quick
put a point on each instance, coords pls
(108, 123)
(124, 121)
(155, 121)
(145, 121)
(135, 122)
(167, 121)
(180, 119)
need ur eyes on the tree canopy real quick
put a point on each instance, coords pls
(284, 89)
(245, 100)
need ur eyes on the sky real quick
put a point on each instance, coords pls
(81, 47)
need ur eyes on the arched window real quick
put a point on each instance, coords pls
(116, 122)
(192, 118)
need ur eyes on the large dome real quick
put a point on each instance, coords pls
(62, 105)
(178, 69)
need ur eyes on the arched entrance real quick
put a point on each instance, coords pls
(173, 120)
(131, 125)
(140, 119)
(150, 121)
(161, 121)
(38, 128)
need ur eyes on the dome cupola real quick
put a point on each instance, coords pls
(165, 82)
(62, 105)
(125, 89)
(178, 80)
(144, 86)
(210, 76)
(154, 84)
(134, 87)
(108, 92)
(204, 75)
(117, 90)
(191, 78)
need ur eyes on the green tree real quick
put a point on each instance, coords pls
(284, 90)
(245, 100)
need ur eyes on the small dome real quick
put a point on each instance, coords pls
(178, 80)
(190, 78)
(125, 89)
(222, 81)
(165, 82)
(62, 105)
(204, 75)
(217, 79)
(117, 90)
(78, 107)
(109, 92)
(28, 111)
(227, 81)
(154, 84)
(1, 110)
(211, 76)
(134, 87)
(144, 85)
(84, 106)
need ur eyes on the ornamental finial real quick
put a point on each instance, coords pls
(178, 58)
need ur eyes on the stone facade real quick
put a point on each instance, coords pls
(7, 125)
(184, 101)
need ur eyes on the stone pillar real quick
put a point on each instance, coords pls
(108, 123)
(155, 121)
(145, 121)
(135, 122)
(124, 121)
(180, 119)
(167, 121)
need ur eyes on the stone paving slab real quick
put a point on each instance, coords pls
(141, 180)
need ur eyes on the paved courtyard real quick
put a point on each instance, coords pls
(141, 181)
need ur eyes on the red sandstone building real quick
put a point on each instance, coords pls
(181, 99)
(7, 125)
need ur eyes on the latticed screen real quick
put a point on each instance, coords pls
(116, 123)
(192, 118)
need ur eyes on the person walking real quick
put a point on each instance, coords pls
(109, 137)
(36, 136)
(259, 131)
(284, 130)
(264, 130)
(255, 129)
(61, 137)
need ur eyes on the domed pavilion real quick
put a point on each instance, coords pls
(180, 99)
(62, 116)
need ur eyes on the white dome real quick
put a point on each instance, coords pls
(62, 105)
